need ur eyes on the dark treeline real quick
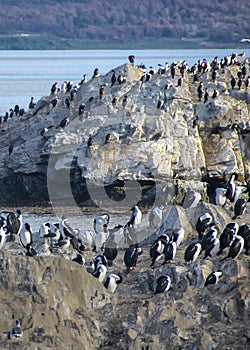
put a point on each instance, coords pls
(221, 21)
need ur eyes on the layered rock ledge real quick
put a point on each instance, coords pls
(178, 142)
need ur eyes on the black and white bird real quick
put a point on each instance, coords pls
(131, 59)
(226, 239)
(235, 248)
(113, 78)
(169, 251)
(239, 208)
(99, 259)
(100, 221)
(192, 252)
(64, 122)
(100, 238)
(208, 238)
(66, 103)
(110, 249)
(178, 235)
(2, 236)
(26, 236)
(79, 259)
(157, 248)
(65, 228)
(53, 103)
(13, 223)
(100, 272)
(112, 281)
(231, 187)
(63, 244)
(54, 89)
(220, 196)
(203, 223)
(213, 278)
(16, 332)
(244, 232)
(131, 256)
(136, 217)
(130, 229)
(32, 104)
(213, 248)
(96, 73)
(163, 284)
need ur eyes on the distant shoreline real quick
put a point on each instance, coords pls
(24, 41)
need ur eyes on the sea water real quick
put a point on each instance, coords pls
(31, 73)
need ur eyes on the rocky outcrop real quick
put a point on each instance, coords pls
(57, 300)
(62, 306)
(161, 151)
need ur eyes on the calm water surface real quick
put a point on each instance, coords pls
(31, 73)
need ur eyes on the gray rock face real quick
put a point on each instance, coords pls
(167, 148)
(62, 306)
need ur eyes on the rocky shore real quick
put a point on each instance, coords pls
(150, 129)
(61, 305)
(133, 136)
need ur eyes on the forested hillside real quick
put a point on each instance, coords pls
(220, 21)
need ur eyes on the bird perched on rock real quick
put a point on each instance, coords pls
(178, 235)
(169, 251)
(13, 223)
(163, 284)
(66, 103)
(132, 225)
(53, 103)
(96, 73)
(26, 236)
(114, 101)
(235, 248)
(220, 196)
(110, 249)
(131, 59)
(112, 281)
(233, 83)
(16, 332)
(100, 221)
(157, 248)
(213, 248)
(100, 238)
(124, 101)
(160, 104)
(136, 217)
(208, 237)
(99, 259)
(81, 108)
(65, 229)
(11, 149)
(64, 122)
(213, 278)
(239, 208)
(32, 104)
(231, 187)
(113, 78)
(79, 259)
(203, 223)
(101, 92)
(226, 239)
(54, 89)
(244, 232)
(100, 272)
(2, 234)
(192, 252)
(131, 256)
